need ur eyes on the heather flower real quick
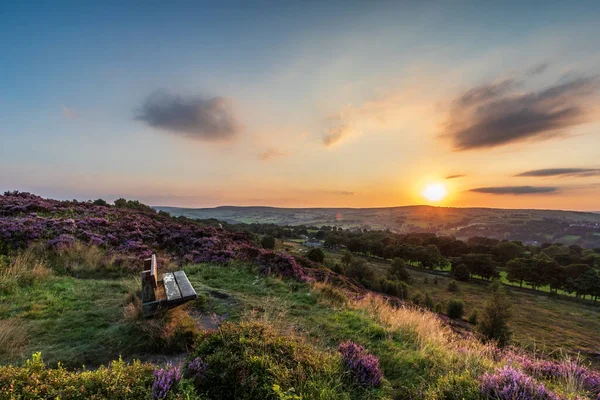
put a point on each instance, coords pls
(164, 378)
(197, 368)
(364, 368)
(512, 384)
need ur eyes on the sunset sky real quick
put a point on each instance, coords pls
(303, 104)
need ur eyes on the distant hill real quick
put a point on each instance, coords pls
(569, 227)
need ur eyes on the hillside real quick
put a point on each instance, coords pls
(267, 324)
(569, 227)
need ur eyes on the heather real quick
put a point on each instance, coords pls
(267, 324)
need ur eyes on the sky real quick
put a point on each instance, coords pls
(303, 104)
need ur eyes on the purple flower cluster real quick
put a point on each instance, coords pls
(164, 379)
(569, 369)
(364, 367)
(129, 235)
(197, 368)
(510, 384)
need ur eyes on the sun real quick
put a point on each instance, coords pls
(434, 192)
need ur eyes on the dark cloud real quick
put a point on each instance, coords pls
(498, 114)
(573, 172)
(210, 119)
(455, 176)
(538, 69)
(518, 190)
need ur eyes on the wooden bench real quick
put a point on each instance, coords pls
(173, 290)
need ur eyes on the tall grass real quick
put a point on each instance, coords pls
(24, 269)
(13, 337)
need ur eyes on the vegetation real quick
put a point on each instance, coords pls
(455, 309)
(266, 324)
(496, 312)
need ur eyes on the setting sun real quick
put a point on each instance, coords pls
(434, 192)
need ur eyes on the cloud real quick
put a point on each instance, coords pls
(68, 112)
(517, 190)
(572, 172)
(498, 114)
(269, 154)
(337, 131)
(343, 193)
(538, 69)
(454, 176)
(209, 119)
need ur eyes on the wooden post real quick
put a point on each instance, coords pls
(148, 294)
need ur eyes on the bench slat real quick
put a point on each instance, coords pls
(171, 288)
(186, 288)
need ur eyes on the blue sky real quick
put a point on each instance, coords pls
(331, 103)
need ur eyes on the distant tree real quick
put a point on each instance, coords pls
(461, 273)
(320, 235)
(100, 202)
(480, 264)
(455, 309)
(361, 271)
(493, 323)
(429, 256)
(516, 269)
(398, 270)
(315, 254)
(347, 258)
(506, 251)
(268, 242)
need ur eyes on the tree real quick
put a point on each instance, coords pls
(268, 242)
(429, 256)
(315, 254)
(480, 264)
(347, 258)
(516, 270)
(493, 324)
(100, 202)
(506, 251)
(461, 273)
(398, 270)
(359, 270)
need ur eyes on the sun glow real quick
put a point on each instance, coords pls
(434, 192)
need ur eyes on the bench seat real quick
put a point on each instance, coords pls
(175, 286)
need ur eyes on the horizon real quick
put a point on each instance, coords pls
(304, 105)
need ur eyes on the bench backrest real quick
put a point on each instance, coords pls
(149, 279)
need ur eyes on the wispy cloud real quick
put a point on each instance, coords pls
(209, 119)
(342, 193)
(501, 113)
(562, 172)
(270, 154)
(68, 112)
(455, 176)
(516, 190)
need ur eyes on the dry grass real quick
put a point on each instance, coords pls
(24, 269)
(13, 337)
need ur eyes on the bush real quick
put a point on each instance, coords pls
(428, 302)
(394, 288)
(461, 273)
(435, 280)
(316, 255)
(246, 361)
(473, 318)
(453, 287)
(438, 308)
(117, 381)
(495, 315)
(398, 271)
(361, 271)
(268, 242)
(455, 309)
(416, 299)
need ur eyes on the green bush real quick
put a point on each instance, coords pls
(461, 273)
(394, 288)
(251, 361)
(455, 309)
(453, 287)
(473, 318)
(428, 302)
(119, 380)
(268, 242)
(316, 255)
(493, 324)
(398, 271)
(438, 308)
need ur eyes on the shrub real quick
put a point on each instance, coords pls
(361, 271)
(316, 255)
(245, 361)
(394, 288)
(493, 324)
(438, 308)
(510, 384)
(453, 287)
(428, 302)
(473, 318)
(118, 380)
(363, 367)
(416, 299)
(455, 309)
(268, 242)
(398, 270)
(435, 280)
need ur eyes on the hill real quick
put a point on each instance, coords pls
(568, 227)
(267, 324)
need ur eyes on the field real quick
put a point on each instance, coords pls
(526, 225)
